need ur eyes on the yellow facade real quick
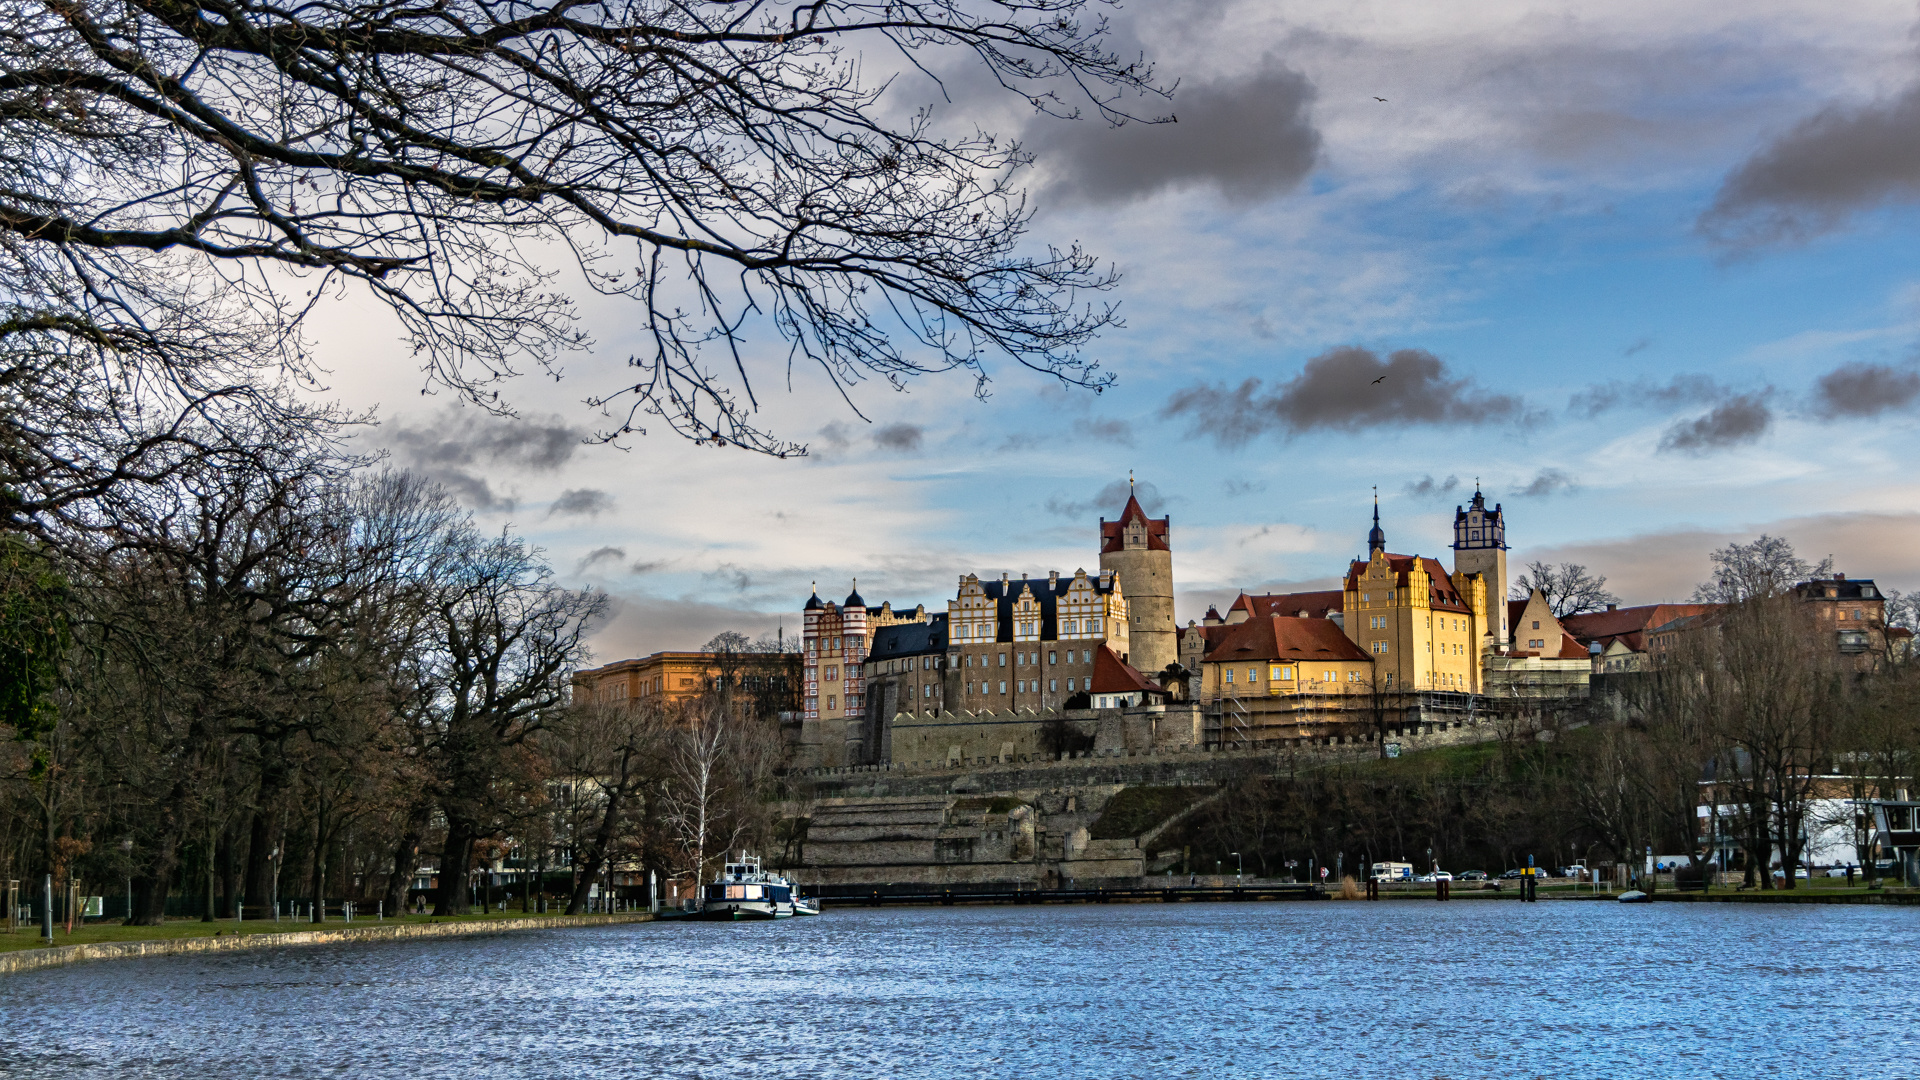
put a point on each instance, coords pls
(1425, 629)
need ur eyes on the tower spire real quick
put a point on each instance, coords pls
(1377, 537)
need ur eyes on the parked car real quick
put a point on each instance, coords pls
(1836, 871)
(1516, 872)
(1474, 875)
(1574, 871)
(1799, 873)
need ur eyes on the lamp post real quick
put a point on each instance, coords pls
(1239, 866)
(126, 853)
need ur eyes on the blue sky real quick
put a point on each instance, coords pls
(1534, 206)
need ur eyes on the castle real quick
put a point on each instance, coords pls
(1402, 637)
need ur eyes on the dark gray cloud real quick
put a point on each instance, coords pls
(1248, 138)
(599, 555)
(1810, 179)
(905, 438)
(1428, 488)
(649, 566)
(1109, 501)
(836, 436)
(1546, 482)
(1740, 419)
(1639, 345)
(459, 447)
(1114, 431)
(583, 502)
(1862, 389)
(1343, 389)
(1683, 389)
(1244, 487)
(730, 575)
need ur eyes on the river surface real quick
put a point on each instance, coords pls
(1398, 988)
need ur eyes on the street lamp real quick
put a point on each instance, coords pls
(126, 850)
(1239, 866)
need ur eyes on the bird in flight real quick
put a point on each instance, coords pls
(1380, 380)
(1379, 98)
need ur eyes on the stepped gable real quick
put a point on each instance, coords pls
(1282, 637)
(1441, 595)
(1316, 605)
(1112, 532)
(1047, 592)
(1112, 675)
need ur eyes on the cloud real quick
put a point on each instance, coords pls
(459, 446)
(1247, 138)
(731, 576)
(1546, 482)
(1682, 389)
(1427, 488)
(1810, 179)
(1665, 565)
(1861, 390)
(1114, 431)
(1243, 487)
(836, 436)
(902, 437)
(1110, 501)
(1640, 345)
(642, 623)
(588, 502)
(599, 555)
(1740, 419)
(1344, 389)
(649, 566)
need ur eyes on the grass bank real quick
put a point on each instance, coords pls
(24, 949)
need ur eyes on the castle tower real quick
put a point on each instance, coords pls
(1480, 547)
(1136, 550)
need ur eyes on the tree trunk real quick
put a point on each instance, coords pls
(406, 859)
(451, 898)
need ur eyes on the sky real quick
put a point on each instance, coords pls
(1644, 272)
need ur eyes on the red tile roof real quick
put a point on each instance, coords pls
(1316, 604)
(1282, 637)
(1631, 620)
(1515, 608)
(1440, 594)
(1112, 675)
(1111, 532)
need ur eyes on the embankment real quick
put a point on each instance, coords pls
(35, 959)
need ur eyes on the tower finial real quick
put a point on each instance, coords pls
(1377, 537)
(1129, 481)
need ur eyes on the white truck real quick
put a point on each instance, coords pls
(1393, 871)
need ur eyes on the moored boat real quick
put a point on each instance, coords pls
(743, 891)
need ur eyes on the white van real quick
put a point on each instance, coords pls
(1393, 871)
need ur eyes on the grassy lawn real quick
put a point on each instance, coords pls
(111, 930)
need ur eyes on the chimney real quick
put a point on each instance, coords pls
(1611, 607)
(1053, 577)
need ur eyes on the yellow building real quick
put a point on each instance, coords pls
(1425, 629)
(1279, 656)
(665, 678)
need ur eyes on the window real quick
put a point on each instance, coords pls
(1069, 686)
(928, 690)
(1003, 659)
(1003, 686)
(1093, 626)
(830, 702)
(1086, 656)
(1052, 657)
(1536, 624)
(1229, 672)
(1021, 686)
(1053, 684)
(1328, 676)
(1253, 675)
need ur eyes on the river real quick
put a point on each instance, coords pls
(1397, 988)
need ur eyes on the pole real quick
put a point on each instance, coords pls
(46, 914)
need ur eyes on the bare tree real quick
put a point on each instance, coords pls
(722, 165)
(1570, 588)
(696, 796)
(1766, 567)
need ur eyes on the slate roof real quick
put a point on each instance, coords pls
(1046, 592)
(910, 639)
(1317, 605)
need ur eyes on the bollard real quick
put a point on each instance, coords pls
(380, 911)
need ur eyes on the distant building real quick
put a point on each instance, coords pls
(670, 678)
(1030, 642)
(1138, 550)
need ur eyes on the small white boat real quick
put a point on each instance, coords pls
(805, 905)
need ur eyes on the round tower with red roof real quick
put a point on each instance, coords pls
(1136, 549)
